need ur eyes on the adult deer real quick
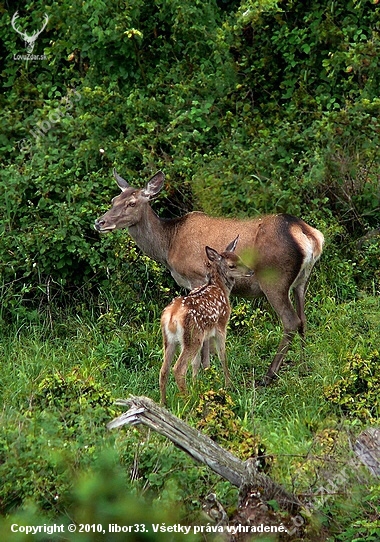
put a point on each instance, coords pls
(203, 313)
(282, 250)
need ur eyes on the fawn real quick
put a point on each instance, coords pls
(203, 313)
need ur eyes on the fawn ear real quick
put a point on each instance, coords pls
(212, 254)
(231, 247)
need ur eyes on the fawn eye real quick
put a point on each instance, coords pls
(131, 204)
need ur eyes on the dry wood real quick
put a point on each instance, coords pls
(244, 475)
(367, 448)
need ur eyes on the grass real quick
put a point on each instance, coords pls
(119, 358)
(128, 359)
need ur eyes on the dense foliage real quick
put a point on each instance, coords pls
(251, 106)
(259, 107)
(357, 392)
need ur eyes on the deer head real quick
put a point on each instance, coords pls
(29, 40)
(226, 267)
(127, 207)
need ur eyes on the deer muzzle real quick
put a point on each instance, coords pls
(101, 226)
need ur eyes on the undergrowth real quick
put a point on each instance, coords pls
(58, 390)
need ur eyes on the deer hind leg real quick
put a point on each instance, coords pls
(221, 350)
(204, 357)
(291, 323)
(196, 363)
(205, 354)
(169, 351)
(299, 292)
(188, 354)
(299, 300)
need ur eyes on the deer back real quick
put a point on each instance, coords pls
(276, 247)
(198, 312)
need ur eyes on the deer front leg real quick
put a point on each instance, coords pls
(291, 322)
(278, 358)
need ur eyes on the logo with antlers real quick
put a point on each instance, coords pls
(29, 40)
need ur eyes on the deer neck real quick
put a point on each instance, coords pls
(224, 282)
(152, 235)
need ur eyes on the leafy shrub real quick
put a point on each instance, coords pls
(216, 418)
(253, 121)
(62, 427)
(367, 272)
(75, 397)
(99, 497)
(38, 462)
(357, 391)
(343, 166)
(359, 523)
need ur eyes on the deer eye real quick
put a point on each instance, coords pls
(131, 204)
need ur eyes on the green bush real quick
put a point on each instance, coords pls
(357, 391)
(358, 513)
(216, 418)
(98, 497)
(61, 425)
(367, 272)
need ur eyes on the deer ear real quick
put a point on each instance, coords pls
(122, 183)
(212, 254)
(154, 185)
(231, 247)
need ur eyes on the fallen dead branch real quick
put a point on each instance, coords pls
(256, 489)
(142, 410)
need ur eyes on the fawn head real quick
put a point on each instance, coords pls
(227, 265)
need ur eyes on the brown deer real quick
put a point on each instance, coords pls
(203, 313)
(281, 250)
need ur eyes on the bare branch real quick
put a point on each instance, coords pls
(367, 448)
